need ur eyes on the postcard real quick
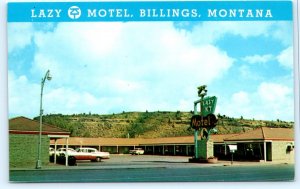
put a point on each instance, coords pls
(150, 91)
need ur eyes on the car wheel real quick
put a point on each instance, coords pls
(72, 161)
(98, 159)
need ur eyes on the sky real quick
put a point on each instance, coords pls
(111, 67)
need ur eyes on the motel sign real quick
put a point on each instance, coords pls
(199, 121)
(208, 105)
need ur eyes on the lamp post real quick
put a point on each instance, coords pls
(39, 162)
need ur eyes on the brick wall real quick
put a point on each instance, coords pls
(23, 150)
(280, 153)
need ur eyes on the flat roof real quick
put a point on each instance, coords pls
(182, 140)
(263, 133)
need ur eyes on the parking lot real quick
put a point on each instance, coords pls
(132, 161)
(136, 161)
(143, 168)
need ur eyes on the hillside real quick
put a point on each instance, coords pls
(148, 124)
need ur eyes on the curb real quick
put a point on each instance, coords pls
(147, 166)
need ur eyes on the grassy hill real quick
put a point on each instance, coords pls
(148, 124)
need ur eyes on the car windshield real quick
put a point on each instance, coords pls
(64, 149)
(86, 150)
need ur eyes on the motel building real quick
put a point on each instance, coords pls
(264, 144)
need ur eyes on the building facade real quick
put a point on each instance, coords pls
(261, 144)
(264, 143)
(24, 141)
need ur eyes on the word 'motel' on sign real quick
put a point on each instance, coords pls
(199, 121)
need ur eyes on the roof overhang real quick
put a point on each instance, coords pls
(37, 132)
(165, 144)
(58, 136)
(245, 141)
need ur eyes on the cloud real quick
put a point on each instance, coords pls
(245, 72)
(239, 104)
(20, 35)
(240, 98)
(210, 32)
(68, 101)
(114, 67)
(283, 31)
(107, 66)
(256, 59)
(277, 99)
(23, 95)
(273, 93)
(270, 101)
(118, 57)
(285, 58)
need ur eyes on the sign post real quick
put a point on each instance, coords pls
(206, 120)
(232, 149)
(196, 131)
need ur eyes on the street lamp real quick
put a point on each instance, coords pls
(39, 162)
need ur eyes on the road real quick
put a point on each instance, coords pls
(160, 169)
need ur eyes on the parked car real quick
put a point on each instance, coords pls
(136, 151)
(61, 156)
(51, 151)
(62, 151)
(91, 154)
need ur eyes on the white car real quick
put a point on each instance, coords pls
(62, 151)
(61, 155)
(137, 151)
(51, 151)
(91, 154)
